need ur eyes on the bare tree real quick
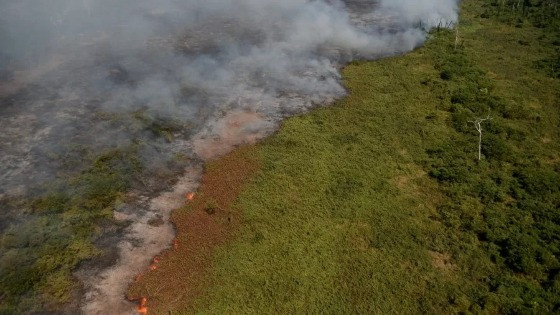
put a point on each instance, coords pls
(477, 124)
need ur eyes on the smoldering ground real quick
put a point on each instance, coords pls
(168, 77)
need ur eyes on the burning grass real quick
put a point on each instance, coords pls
(208, 220)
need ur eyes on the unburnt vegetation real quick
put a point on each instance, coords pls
(380, 203)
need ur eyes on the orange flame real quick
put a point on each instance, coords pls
(154, 266)
(189, 196)
(175, 244)
(142, 308)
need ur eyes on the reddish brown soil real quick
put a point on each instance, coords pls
(231, 131)
(179, 274)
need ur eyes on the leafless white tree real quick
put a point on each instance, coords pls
(477, 124)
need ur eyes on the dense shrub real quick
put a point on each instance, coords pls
(509, 200)
(446, 74)
(461, 96)
(538, 182)
(488, 191)
(460, 119)
(495, 148)
(448, 174)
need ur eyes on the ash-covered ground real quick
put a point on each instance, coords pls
(180, 81)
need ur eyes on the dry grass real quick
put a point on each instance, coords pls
(204, 224)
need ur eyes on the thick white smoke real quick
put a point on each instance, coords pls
(174, 57)
(227, 70)
(430, 13)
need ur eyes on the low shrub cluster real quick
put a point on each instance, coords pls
(504, 206)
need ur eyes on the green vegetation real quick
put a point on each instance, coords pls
(54, 232)
(39, 254)
(162, 128)
(380, 204)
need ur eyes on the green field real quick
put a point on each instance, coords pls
(380, 204)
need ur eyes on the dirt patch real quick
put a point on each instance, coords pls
(442, 261)
(235, 128)
(209, 220)
(409, 182)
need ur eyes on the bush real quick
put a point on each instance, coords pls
(460, 119)
(538, 182)
(515, 111)
(488, 191)
(494, 148)
(494, 103)
(515, 134)
(449, 174)
(53, 203)
(446, 74)
(461, 96)
(520, 252)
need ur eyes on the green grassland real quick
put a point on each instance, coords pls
(380, 204)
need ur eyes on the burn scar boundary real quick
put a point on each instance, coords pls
(208, 220)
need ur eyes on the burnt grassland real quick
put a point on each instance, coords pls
(52, 231)
(380, 204)
(39, 253)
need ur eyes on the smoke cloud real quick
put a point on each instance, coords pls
(225, 72)
(177, 59)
